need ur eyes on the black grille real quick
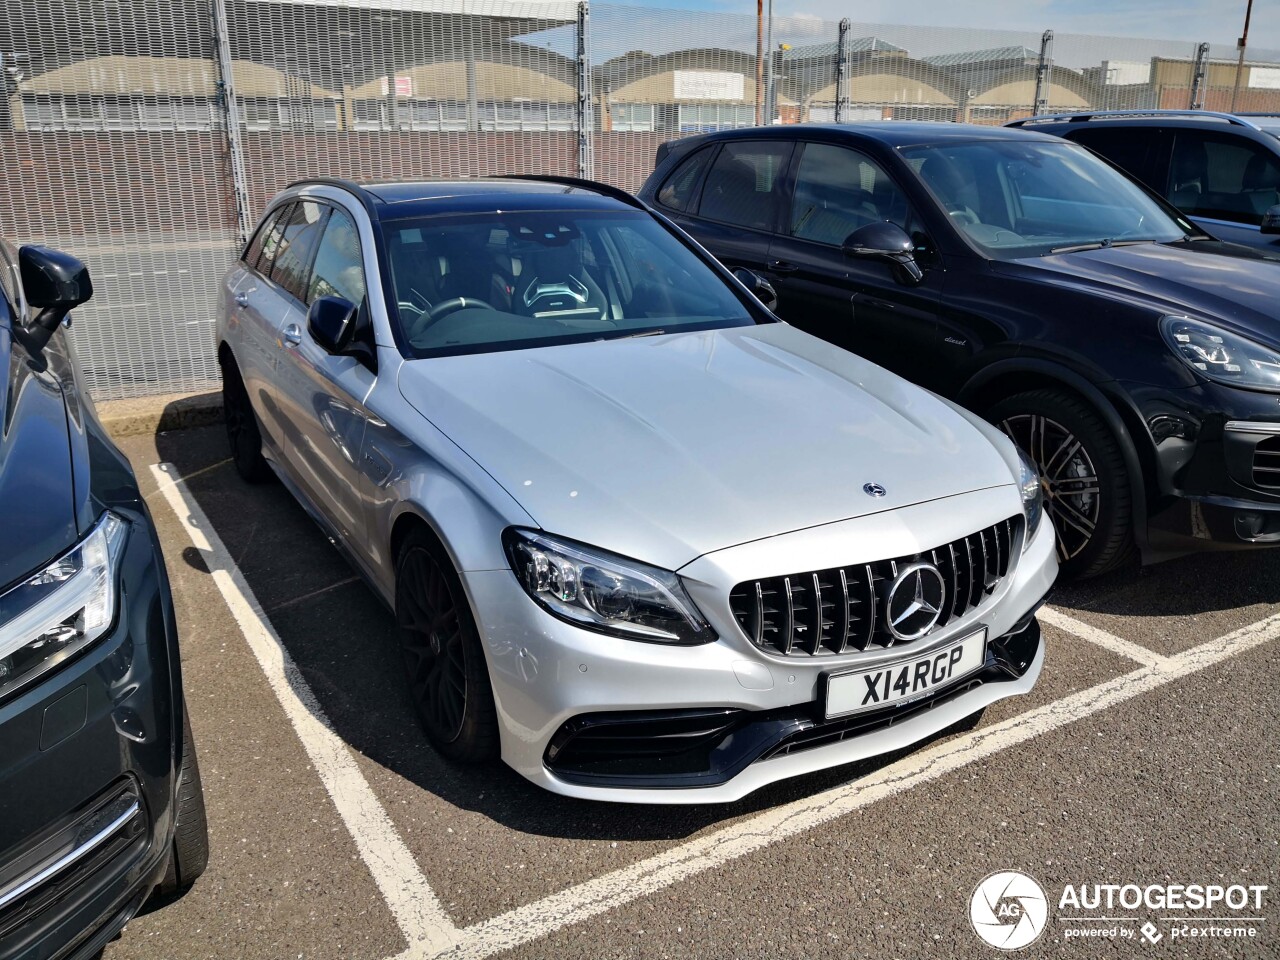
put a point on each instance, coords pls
(840, 610)
(1266, 463)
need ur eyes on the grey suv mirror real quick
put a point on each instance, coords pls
(331, 321)
(887, 241)
(758, 285)
(1271, 220)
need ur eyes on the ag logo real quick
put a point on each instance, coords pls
(1008, 910)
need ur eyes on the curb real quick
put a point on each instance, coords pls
(151, 415)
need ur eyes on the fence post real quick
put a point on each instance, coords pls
(586, 121)
(1198, 76)
(1044, 74)
(842, 70)
(231, 118)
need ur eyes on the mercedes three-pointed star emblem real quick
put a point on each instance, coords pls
(915, 601)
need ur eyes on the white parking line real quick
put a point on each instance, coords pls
(1109, 641)
(612, 890)
(410, 898)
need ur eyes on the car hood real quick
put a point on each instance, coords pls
(37, 502)
(1209, 279)
(666, 447)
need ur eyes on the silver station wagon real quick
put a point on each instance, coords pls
(642, 540)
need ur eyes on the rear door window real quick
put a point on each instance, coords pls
(271, 236)
(677, 190)
(1222, 177)
(254, 250)
(742, 184)
(299, 234)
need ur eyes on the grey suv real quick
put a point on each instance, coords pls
(1221, 169)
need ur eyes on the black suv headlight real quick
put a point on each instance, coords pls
(1221, 355)
(59, 611)
(604, 592)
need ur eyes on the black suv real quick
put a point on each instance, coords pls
(100, 800)
(1221, 169)
(1132, 356)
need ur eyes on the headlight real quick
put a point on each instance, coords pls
(1032, 496)
(604, 592)
(1222, 356)
(63, 608)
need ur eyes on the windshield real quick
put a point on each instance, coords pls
(1028, 199)
(504, 281)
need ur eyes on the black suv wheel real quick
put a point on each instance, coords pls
(1086, 486)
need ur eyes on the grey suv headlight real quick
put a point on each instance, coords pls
(602, 591)
(62, 609)
(1032, 496)
(1221, 355)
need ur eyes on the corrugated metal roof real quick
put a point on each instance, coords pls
(991, 55)
(819, 51)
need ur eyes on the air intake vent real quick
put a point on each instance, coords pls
(1266, 463)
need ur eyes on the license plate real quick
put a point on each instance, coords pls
(905, 680)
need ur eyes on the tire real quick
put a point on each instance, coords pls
(243, 434)
(189, 854)
(443, 658)
(1087, 493)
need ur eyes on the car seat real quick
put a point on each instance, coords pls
(1261, 183)
(1188, 178)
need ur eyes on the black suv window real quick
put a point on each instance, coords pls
(1222, 177)
(300, 232)
(741, 185)
(677, 189)
(1128, 148)
(839, 190)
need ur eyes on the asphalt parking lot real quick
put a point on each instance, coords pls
(1146, 754)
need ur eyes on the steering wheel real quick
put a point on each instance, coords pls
(964, 215)
(443, 309)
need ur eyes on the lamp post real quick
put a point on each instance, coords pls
(1241, 44)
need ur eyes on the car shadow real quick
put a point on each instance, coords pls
(1187, 586)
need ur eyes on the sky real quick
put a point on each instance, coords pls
(1218, 21)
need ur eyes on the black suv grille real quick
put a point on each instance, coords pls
(841, 610)
(1266, 463)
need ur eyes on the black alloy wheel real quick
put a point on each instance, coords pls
(243, 434)
(1082, 473)
(448, 678)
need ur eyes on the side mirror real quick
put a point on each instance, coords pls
(1271, 220)
(758, 285)
(331, 321)
(53, 282)
(887, 241)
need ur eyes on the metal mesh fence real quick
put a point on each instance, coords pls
(146, 136)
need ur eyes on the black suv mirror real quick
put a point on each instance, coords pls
(887, 241)
(1271, 220)
(331, 322)
(53, 283)
(758, 285)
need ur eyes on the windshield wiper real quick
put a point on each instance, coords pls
(632, 336)
(1097, 245)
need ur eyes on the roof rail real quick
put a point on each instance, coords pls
(602, 188)
(1231, 118)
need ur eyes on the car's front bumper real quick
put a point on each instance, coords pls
(1212, 446)
(547, 674)
(87, 777)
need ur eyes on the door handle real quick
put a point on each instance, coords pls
(292, 335)
(241, 299)
(782, 266)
